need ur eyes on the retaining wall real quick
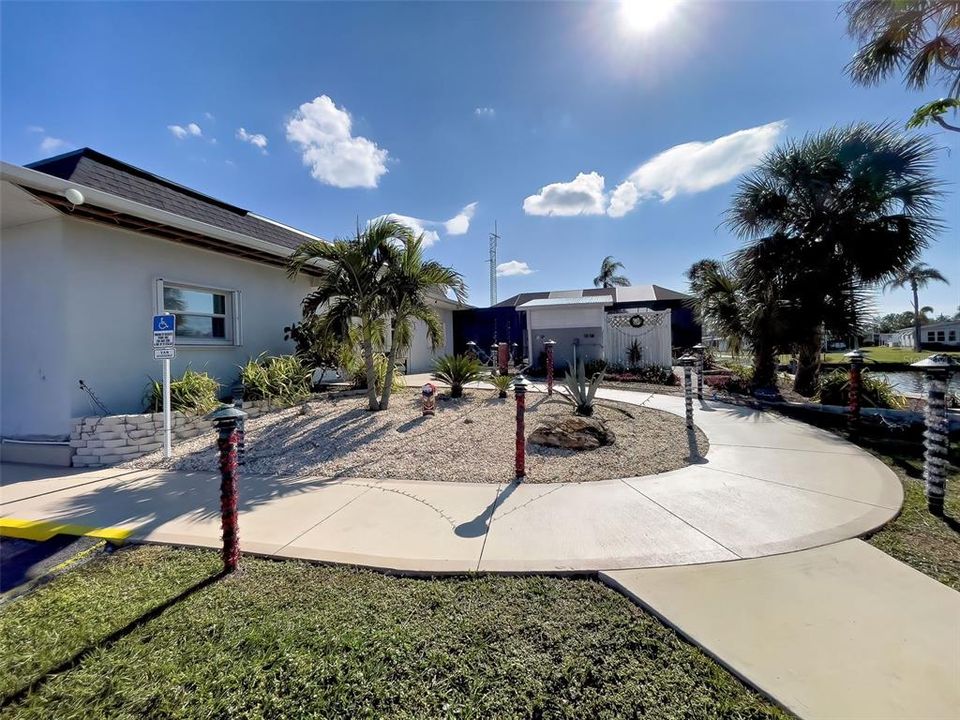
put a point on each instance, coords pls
(109, 439)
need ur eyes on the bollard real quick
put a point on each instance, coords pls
(549, 345)
(520, 388)
(429, 395)
(237, 395)
(472, 348)
(854, 398)
(687, 362)
(494, 351)
(936, 438)
(226, 420)
(503, 358)
(699, 350)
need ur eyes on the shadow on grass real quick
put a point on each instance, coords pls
(107, 642)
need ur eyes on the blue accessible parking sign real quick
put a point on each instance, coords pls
(164, 323)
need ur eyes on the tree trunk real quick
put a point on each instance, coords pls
(764, 367)
(916, 317)
(373, 403)
(808, 368)
(388, 379)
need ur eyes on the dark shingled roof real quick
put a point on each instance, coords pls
(102, 172)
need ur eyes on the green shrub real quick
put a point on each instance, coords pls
(284, 378)
(652, 374)
(834, 389)
(356, 370)
(592, 367)
(193, 392)
(457, 371)
(502, 383)
(581, 389)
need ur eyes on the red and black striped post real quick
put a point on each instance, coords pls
(854, 398)
(227, 420)
(549, 345)
(520, 389)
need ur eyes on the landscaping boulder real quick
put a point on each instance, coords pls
(573, 433)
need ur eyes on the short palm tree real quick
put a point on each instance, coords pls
(410, 289)
(457, 371)
(916, 277)
(350, 274)
(829, 216)
(608, 277)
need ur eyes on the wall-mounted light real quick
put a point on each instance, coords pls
(74, 196)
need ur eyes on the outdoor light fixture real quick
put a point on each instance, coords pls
(74, 196)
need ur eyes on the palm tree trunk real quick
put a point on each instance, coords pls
(764, 366)
(808, 367)
(388, 378)
(373, 403)
(916, 317)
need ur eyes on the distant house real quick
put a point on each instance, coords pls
(81, 280)
(597, 320)
(933, 334)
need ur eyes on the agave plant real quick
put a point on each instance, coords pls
(581, 391)
(502, 383)
(457, 371)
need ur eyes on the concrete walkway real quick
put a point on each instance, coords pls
(767, 485)
(843, 631)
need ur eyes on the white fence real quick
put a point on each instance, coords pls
(649, 329)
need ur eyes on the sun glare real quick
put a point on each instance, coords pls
(647, 15)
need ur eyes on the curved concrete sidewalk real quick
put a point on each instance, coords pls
(768, 485)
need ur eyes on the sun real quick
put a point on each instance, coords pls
(647, 15)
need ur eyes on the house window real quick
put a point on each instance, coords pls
(952, 335)
(930, 336)
(940, 336)
(205, 316)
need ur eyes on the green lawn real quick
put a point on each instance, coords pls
(886, 355)
(290, 639)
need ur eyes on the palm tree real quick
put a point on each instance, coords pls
(920, 38)
(608, 277)
(410, 288)
(350, 274)
(825, 218)
(917, 276)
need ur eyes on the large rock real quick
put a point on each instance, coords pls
(573, 433)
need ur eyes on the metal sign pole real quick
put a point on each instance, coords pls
(164, 349)
(166, 409)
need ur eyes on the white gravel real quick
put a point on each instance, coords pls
(469, 440)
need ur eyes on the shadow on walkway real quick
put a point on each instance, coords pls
(481, 523)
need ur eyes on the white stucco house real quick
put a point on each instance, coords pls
(938, 333)
(81, 280)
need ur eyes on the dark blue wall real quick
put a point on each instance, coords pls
(488, 325)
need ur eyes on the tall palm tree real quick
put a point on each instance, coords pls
(608, 277)
(829, 216)
(915, 277)
(350, 274)
(410, 287)
(920, 38)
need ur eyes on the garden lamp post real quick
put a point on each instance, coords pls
(520, 386)
(699, 349)
(237, 396)
(226, 419)
(471, 348)
(936, 438)
(548, 346)
(856, 358)
(687, 362)
(494, 351)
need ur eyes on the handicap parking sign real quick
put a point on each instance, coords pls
(164, 323)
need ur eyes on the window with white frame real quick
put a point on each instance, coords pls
(931, 336)
(940, 336)
(952, 336)
(205, 316)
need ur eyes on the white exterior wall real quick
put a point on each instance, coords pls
(420, 357)
(78, 298)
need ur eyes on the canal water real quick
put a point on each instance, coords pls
(912, 382)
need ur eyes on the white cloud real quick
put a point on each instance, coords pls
(182, 131)
(34, 129)
(459, 224)
(209, 116)
(684, 169)
(513, 267)
(52, 144)
(581, 196)
(484, 112)
(334, 155)
(256, 139)
(694, 167)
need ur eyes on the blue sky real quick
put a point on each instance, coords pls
(457, 115)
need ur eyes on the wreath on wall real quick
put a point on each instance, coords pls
(636, 321)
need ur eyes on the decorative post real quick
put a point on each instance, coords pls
(226, 420)
(936, 438)
(699, 350)
(854, 400)
(472, 348)
(549, 345)
(429, 395)
(503, 357)
(520, 388)
(494, 351)
(687, 362)
(237, 395)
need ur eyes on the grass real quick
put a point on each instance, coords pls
(917, 538)
(290, 639)
(886, 355)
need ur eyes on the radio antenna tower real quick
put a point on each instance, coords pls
(494, 239)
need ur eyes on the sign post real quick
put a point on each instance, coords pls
(164, 349)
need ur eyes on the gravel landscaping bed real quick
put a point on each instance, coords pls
(470, 439)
